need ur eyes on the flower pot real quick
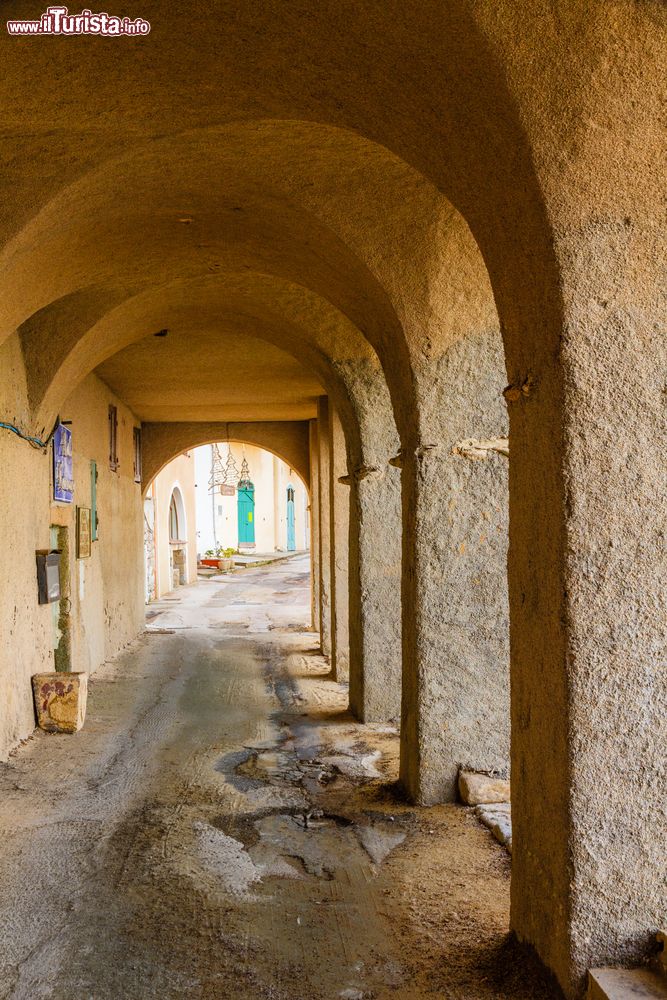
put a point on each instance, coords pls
(225, 564)
(60, 701)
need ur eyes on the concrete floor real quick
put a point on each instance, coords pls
(221, 828)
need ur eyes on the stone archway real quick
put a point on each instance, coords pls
(287, 439)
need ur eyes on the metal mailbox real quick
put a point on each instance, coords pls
(48, 575)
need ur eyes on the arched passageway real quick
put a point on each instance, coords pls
(357, 228)
(196, 513)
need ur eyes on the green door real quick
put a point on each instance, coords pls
(246, 509)
(291, 533)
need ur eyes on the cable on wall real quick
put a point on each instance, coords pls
(34, 442)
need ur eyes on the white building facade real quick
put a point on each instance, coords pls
(265, 512)
(170, 537)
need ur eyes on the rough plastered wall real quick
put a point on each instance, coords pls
(106, 590)
(24, 527)
(179, 474)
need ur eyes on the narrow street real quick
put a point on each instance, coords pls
(222, 828)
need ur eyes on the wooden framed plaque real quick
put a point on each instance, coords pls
(83, 533)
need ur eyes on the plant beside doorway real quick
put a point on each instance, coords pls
(225, 558)
(222, 558)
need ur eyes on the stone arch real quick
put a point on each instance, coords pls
(350, 268)
(287, 440)
(260, 305)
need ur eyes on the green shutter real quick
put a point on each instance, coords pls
(93, 500)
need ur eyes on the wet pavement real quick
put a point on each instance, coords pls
(222, 828)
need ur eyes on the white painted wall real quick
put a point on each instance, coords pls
(203, 458)
(177, 475)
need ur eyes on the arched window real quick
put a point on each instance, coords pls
(177, 526)
(173, 520)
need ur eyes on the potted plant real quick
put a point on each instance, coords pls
(210, 559)
(225, 558)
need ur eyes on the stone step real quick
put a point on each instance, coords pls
(625, 984)
(498, 818)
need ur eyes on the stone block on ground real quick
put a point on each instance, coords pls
(476, 789)
(498, 818)
(625, 984)
(60, 701)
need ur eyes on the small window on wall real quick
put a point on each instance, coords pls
(137, 454)
(113, 438)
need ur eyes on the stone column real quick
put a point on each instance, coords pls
(324, 507)
(455, 709)
(340, 547)
(588, 572)
(375, 593)
(314, 508)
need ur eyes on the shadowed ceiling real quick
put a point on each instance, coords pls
(208, 374)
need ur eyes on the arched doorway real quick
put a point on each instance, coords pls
(246, 513)
(291, 533)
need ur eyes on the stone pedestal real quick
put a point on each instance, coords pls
(60, 701)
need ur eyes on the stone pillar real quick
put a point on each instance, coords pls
(587, 572)
(455, 708)
(314, 508)
(375, 593)
(340, 547)
(324, 507)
